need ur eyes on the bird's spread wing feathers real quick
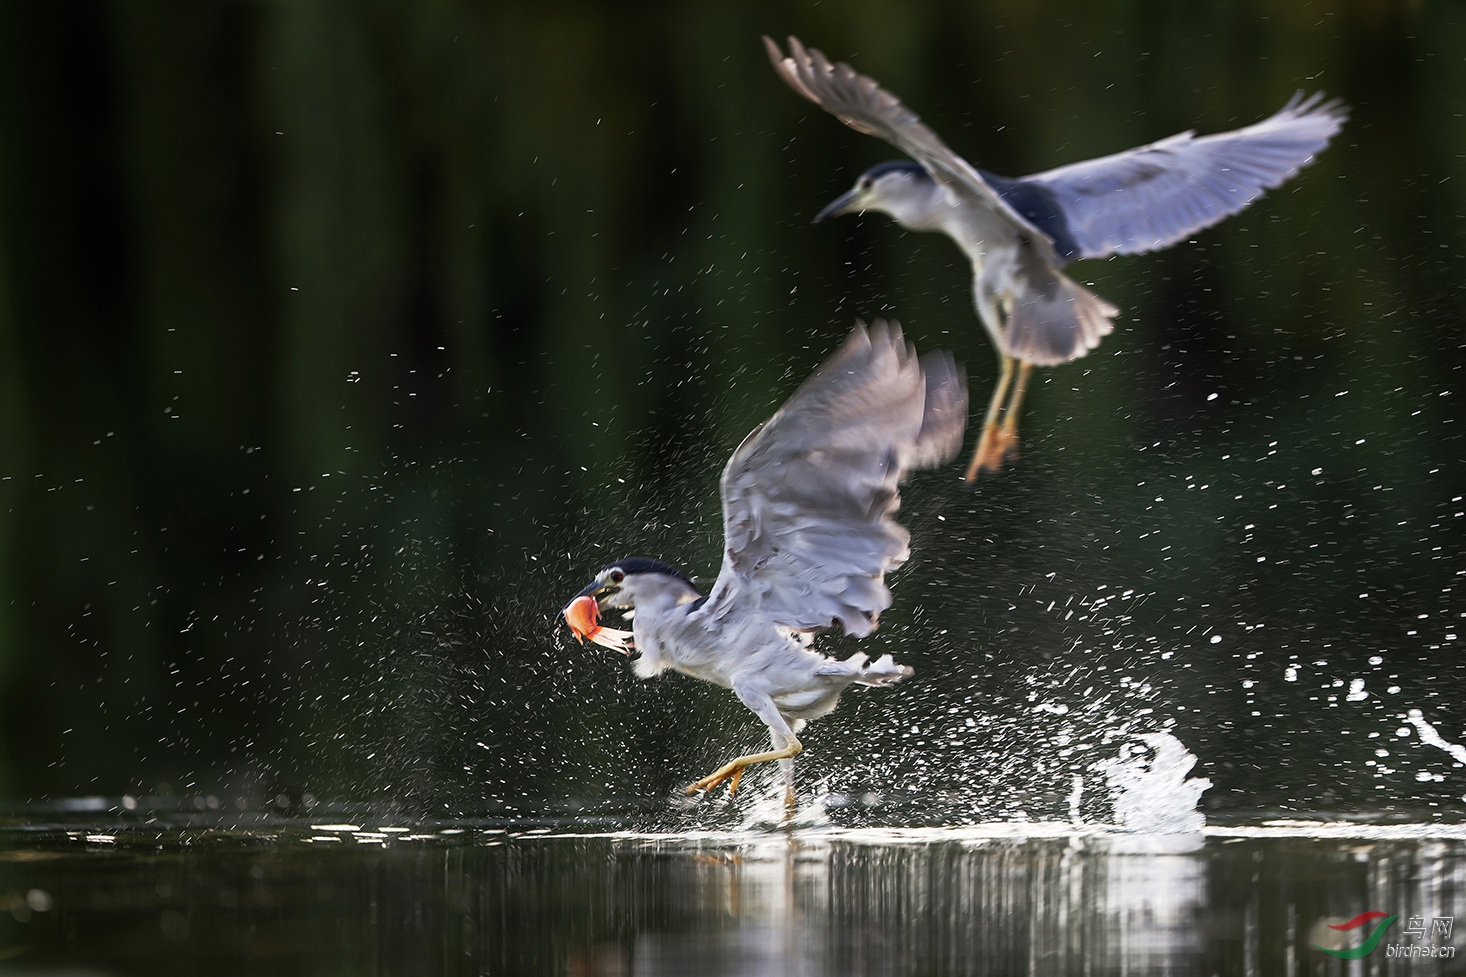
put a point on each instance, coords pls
(810, 496)
(863, 105)
(1154, 196)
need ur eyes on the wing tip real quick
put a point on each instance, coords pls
(1303, 105)
(944, 413)
(944, 406)
(880, 334)
(1327, 114)
(795, 66)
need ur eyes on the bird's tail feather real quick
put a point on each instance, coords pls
(860, 670)
(1055, 320)
(883, 671)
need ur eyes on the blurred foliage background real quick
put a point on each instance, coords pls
(341, 342)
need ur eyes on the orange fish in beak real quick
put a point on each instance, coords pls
(583, 615)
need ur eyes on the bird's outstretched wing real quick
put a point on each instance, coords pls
(1153, 196)
(863, 105)
(810, 496)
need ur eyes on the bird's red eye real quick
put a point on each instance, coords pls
(617, 576)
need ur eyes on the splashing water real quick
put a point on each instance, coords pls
(1151, 793)
(1430, 737)
(767, 810)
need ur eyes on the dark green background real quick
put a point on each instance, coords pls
(340, 343)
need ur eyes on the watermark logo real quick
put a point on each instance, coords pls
(1439, 926)
(1370, 942)
(1416, 928)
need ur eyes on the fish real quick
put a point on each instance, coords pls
(583, 615)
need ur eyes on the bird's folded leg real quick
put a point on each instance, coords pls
(733, 769)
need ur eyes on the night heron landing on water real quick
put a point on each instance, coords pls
(1018, 234)
(809, 503)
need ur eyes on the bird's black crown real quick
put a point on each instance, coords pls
(894, 166)
(642, 564)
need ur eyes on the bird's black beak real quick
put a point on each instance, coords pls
(597, 589)
(842, 204)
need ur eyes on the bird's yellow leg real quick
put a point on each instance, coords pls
(1007, 439)
(791, 799)
(987, 442)
(734, 768)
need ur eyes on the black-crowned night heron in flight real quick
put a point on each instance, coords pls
(809, 503)
(1020, 233)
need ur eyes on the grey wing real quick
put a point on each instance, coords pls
(809, 498)
(1153, 196)
(863, 105)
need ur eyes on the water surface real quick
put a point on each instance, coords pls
(196, 894)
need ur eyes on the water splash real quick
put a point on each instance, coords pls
(1430, 737)
(1149, 787)
(766, 810)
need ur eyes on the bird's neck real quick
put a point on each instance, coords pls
(923, 206)
(655, 604)
(650, 626)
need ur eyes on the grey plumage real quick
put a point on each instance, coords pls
(1019, 234)
(809, 503)
(1154, 196)
(809, 498)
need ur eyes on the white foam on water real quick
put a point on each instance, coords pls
(768, 810)
(1000, 832)
(1151, 793)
